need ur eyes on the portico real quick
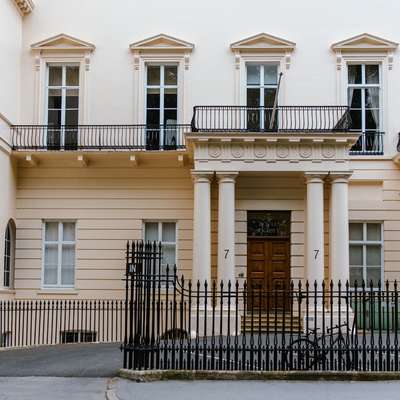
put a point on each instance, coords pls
(322, 162)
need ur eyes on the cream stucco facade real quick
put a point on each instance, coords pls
(218, 173)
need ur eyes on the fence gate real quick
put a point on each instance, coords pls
(171, 323)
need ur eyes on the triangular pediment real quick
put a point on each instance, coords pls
(263, 42)
(365, 42)
(162, 42)
(63, 42)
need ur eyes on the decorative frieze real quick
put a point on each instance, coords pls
(24, 6)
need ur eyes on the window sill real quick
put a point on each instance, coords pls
(58, 291)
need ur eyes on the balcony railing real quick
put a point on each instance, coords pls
(263, 119)
(98, 137)
(369, 144)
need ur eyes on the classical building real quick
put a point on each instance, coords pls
(265, 157)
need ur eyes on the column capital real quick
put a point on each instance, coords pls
(202, 176)
(340, 177)
(226, 176)
(315, 177)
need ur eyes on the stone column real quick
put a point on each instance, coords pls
(226, 226)
(202, 227)
(339, 228)
(315, 228)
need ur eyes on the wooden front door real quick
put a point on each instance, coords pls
(268, 271)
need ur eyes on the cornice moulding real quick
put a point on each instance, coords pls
(24, 6)
(263, 42)
(364, 42)
(162, 42)
(63, 42)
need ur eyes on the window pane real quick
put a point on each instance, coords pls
(68, 255)
(373, 231)
(67, 276)
(51, 231)
(372, 73)
(356, 120)
(153, 75)
(55, 76)
(354, 98)
(71, 117)
(354, 74)
(356, 255)
(269, 97)
(69, 231)
(372, 98)
(151, 231)
(356, 231)
(72, 76)
(270, 74)
(50, 264)
(356, 274)
(54, 99)
(153, 117)
(153, 98)
(372, 119)
(253, 97)
(72, 98)
(171, 75)
(374, 275)
(374, 255)
(54, 117)
(170, 98)
(170, 117)
(168, 231)
(253, 74)
(168, 256)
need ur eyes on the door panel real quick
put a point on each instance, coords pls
(268, 269)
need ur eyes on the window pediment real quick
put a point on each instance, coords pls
(63, 42)
(365, 42)
(263, 42)
(162, 42)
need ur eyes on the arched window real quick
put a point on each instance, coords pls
(9, 245)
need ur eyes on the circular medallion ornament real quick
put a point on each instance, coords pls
(260, 151)
(214, 150)
(237, 151)
(328, 151)
(305, 151)
(282, 151)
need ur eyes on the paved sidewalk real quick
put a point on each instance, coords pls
(70, 360)
(254, 390)
(46, 388)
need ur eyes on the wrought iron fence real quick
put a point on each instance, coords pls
(264, 119)
(98, 137)
(177, 324)
(369, 143)
(44, 322)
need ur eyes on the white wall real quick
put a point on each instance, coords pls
(313, 24)
(10, 60)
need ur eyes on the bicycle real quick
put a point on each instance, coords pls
(312, 351)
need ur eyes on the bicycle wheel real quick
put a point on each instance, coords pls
(303, 354)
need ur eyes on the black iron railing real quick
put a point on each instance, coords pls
(179, 324)
(44, 322)
(369, 143)
(98, 137)
(263, 119)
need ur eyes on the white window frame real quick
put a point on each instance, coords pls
(59, 243)
(162, 86)
(262, 86)
(364, 242)
(63, 89)
(160, 222)
(362, 86)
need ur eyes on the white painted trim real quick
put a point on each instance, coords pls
(59, 254)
